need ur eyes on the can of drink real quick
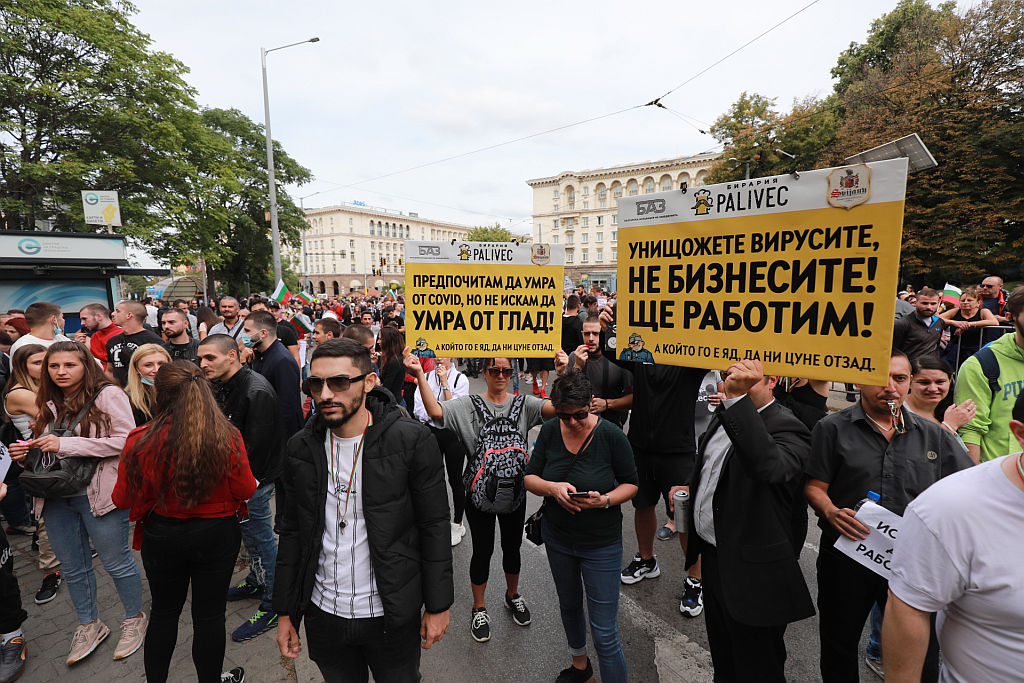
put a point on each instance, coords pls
(681, 501)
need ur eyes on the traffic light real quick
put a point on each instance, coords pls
(399, 262)
(381, 261)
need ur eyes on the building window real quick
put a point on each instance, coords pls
(353, 267)
(554, 239)
(350, 220)
(615, 218)
(602, 204)
(568, 239)
(585, 258)
(556, 193)
(649, 186)
(615, 235)
(615, 253)
(585, 190)
(600, 237)
(407, 232)
(600, 220)
(572, 206)
(331, 221)
(332, 245)
(632, 189)
(586, 221)
(554, 209)
(602, 193)
(570, 194)
(618, 191)
(600, 255)
(586, 204)
(585, 237)
(554, 226)
(666, 184)
(568, 256)
(351, 244)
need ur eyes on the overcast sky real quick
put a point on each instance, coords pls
(398, 84)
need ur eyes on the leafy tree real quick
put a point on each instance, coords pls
(494, 233)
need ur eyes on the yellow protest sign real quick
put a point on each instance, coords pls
(798, 273)
(484, 299)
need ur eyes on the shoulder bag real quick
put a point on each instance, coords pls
(47, 476)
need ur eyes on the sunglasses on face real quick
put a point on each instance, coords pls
(986, 286)
(579, 417)
(504, 372)
(336, 384)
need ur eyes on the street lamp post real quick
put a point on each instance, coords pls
(275, 233)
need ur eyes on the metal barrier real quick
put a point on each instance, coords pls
(989, 334)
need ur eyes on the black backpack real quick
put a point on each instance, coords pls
(494, 476)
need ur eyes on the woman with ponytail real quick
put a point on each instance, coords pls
(141, 391)
(184, 476)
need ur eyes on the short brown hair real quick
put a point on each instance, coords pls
(330, 326)
(1015, 302)
(927, 291)
(38, 313)
(96, 309)
(136, 308)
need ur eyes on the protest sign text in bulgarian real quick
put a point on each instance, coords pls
(799, 273)
(484, 299)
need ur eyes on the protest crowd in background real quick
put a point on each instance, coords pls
(305, 433)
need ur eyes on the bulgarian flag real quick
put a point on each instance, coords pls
(304, 297)
(299, 321)
(391, 295)
(951, 294)
(281, 293)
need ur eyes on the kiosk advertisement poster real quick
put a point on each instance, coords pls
(484, 299)
(799, 273)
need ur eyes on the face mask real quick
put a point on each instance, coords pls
(56, 330)
(247, 341)
(147, 381)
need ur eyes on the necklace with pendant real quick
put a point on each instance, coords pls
(343, 514)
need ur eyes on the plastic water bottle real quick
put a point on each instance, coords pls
(681, 502)
(872, 496)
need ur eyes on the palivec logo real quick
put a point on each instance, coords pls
(29, 246)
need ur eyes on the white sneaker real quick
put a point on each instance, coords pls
(458, 531)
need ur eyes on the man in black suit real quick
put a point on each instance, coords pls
(748, 478)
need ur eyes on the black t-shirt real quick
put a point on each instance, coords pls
(609, 381)
(121, 347)
(185, 351)
(287, 334)
(572, 333)
(663, 403)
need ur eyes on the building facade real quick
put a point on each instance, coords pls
(344, 244)
(578, 209)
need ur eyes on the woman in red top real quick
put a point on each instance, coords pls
(185, 475)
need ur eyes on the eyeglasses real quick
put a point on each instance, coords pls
(579, 417)
(986, 286)
(504, 372)
(336, 384)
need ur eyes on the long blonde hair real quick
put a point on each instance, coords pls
(143, 397)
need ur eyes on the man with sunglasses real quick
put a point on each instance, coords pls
(874, 445)
(249, 402)
(364, 531)
(993, 297)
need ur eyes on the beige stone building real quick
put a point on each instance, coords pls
(343, 244)
(578, 208)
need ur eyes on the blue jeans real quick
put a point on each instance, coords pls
(258, 536)
(71, 526)
(874, 649)
(596, 570)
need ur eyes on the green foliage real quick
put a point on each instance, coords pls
(85, 103)
(494, 233)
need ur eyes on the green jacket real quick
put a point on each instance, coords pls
(990, 427)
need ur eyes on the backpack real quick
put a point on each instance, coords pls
(990, 366)
(494, 479)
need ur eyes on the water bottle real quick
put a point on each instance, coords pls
(681, 501)
(872, 496)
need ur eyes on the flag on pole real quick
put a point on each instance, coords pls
(951, 294)
(391, 295)
(281, 293)
(304, 297)
(301, 324)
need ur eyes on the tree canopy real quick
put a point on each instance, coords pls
(494, 233)
(86, 103)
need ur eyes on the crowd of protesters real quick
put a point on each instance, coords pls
(194, 420)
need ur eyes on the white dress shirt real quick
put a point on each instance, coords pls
(457, 382)
(710, 472)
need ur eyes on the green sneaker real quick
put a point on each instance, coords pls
(261, 622)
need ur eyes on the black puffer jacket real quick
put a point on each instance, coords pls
(249, 402)
(405, 502)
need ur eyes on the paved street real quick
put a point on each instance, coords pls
(660, 643)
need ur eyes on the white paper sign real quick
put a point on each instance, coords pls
(875, 551)
(101, 207)
(5, 461)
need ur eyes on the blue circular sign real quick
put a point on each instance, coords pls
(29, 246)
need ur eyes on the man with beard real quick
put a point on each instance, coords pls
(249, 403)
(613, 386)
(97, 329)
(874, 445)
(232, 322)
(992, 379)
(180, 343)
(364, 533)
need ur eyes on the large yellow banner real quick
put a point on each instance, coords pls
(484, 300)
(798, 273)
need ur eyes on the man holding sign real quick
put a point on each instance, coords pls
(874, 445)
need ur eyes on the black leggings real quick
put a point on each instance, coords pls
(174, 553)
(454, 461)
(481, 530)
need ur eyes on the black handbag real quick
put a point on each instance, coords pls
(531, 528)
(47, 476)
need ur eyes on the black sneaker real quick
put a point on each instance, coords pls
(48, 591)
(481, 626)
(640, 569)
(236, 675)
(516, 605)
(574, 675)
(12, 659)
(692, 602)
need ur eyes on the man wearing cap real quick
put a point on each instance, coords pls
(636, 351)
